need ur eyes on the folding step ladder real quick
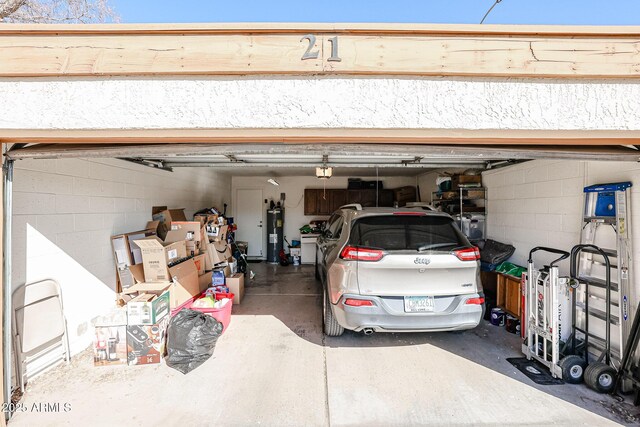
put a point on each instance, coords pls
(606, 225)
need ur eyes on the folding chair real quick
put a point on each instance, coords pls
(39, 328)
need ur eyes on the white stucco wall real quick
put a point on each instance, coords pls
(325, 102)
(65, 212)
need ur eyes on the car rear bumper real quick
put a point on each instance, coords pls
(387, 315)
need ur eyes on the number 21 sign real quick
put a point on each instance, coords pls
(313, 54)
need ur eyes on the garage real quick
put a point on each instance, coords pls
(115, 121)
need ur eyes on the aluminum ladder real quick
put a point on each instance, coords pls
(606, 224)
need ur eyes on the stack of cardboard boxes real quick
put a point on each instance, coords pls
(160, 270)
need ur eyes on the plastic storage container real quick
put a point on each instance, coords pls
(222, 315)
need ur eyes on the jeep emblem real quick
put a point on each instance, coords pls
(424, 261)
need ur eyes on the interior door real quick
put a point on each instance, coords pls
(248, 216)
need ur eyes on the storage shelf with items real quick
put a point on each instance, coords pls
(464, 197)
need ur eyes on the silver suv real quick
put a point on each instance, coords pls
(397, 270)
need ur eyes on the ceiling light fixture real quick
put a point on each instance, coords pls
(273, 182)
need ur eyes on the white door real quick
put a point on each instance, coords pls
(248, 216)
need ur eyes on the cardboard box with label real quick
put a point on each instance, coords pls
(110, 339)
(126, 254)
(217, 233)
(235, 284)
(186, 282)
(155, 257)
(165, 217)
(145, 343)
(149, 307)
(185, 230)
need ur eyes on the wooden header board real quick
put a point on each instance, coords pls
(325, 49)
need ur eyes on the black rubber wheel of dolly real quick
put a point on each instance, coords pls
(573, 369)
(600, 377)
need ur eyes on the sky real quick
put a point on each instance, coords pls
(566, 12)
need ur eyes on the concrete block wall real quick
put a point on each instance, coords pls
(65, 212)
(539, 203)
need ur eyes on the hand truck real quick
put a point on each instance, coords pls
(546, 313)
(599, 375)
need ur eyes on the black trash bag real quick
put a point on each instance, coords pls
(191, 338)
(493, 252)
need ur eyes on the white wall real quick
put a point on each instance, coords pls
(66, 210)
(539, 203)
(293, 187)
(319, 102)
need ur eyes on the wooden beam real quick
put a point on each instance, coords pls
(324, 136)
(365, 49)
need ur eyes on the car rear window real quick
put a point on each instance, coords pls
(400, 232)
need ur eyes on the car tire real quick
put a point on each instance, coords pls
(331, 327)
(573, 368)
(600, 377)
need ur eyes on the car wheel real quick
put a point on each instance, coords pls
(573, 369)
(331, 327)
(600, 377)
(317, 271)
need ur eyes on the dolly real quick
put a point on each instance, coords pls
(546, 300)
(599, 375)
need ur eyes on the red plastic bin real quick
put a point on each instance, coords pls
(222, 315)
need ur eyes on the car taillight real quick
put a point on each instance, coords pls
(475, 301)
(469, 254)
(355, 253)
(358, 302)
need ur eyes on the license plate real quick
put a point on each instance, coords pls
(418, 304)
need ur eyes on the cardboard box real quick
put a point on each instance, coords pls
(148, 308)
(186, 284)
(457, 180)
(216, 232)
(155, 257)
(235, 284)
(205, 280)
(165, 217)
(175, 251)
(110, 339)
(200, 263)
(218, 252)
(127, 254)
(185, 230)
(145, 343)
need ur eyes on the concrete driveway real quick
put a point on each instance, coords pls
(274, 367)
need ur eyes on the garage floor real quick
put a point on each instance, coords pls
(274, 367)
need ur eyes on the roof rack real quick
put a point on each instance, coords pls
(353, 206)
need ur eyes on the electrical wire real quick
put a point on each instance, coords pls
(489, 11)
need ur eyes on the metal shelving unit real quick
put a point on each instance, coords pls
(462, 196)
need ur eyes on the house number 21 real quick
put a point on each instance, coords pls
(309, 54)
